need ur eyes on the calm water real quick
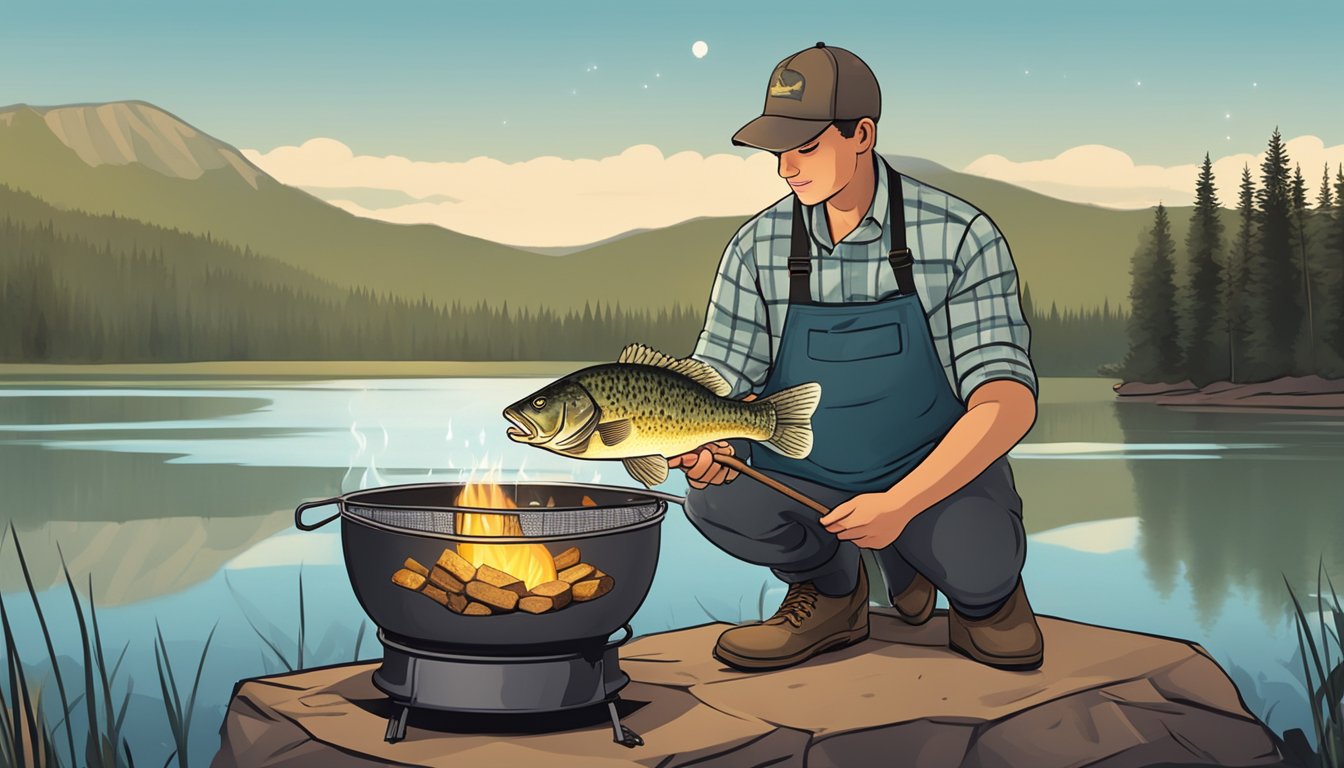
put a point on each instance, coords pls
(177, 499)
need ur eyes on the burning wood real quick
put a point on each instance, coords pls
(487, 590)
(577, 573)
(567, 559)
(591, 589)
(454, 564)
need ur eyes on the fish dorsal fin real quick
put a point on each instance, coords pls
(700, 373)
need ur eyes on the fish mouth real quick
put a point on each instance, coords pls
(521, 429)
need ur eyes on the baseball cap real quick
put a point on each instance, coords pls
(808, 91)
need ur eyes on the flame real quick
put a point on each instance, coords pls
(532, 563)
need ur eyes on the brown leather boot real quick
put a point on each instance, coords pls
(1009, 638)
(806, 624)
(914, 605)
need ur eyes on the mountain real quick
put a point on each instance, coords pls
(141, 162)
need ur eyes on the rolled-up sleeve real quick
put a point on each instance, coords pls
(735, 340)
(988, 333)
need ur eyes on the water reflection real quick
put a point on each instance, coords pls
(1246, 519)
(141, 525)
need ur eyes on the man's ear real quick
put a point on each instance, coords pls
(866, 133)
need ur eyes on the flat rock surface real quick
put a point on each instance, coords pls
(1103, 697)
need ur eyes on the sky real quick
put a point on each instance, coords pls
(965, 85)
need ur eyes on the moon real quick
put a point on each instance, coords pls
(699, 48)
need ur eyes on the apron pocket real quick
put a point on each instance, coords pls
(849, 344)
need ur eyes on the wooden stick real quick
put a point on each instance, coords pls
(735, 463)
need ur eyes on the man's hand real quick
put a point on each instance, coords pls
(701, 469)
(871, 520)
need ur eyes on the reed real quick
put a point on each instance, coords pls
(26, 737)
(1323, 672)
(179, 717)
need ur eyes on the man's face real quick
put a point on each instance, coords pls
(823, 166)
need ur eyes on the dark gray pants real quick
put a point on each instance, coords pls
(971, 545)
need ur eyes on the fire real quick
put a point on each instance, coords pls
(532, 563)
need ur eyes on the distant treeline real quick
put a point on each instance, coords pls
(80, 288)
(1263, 301)
(133, 307)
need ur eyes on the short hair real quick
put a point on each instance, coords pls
(848, 127)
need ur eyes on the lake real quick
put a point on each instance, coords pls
(175, 500)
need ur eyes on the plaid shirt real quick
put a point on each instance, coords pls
(963, 271)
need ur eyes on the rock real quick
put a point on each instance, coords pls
(1103, 698)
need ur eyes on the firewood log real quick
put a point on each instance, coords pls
(576, 573)
(567, 559)
(537, 604)
(414, 567)
(456, 602)
(502, 599)
(457, 565)
(435, 594)
(408, 579)
(497, 578)
(556, 591)
(445, 580)
(477, 609)
(591, 589)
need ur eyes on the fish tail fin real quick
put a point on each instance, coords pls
(793, 409)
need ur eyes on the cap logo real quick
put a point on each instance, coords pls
(788, 84)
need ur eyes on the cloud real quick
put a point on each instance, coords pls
(546, 201)
(1106, 176)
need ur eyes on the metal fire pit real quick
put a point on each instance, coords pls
(504, 663)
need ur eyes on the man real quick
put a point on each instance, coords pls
(922, 356)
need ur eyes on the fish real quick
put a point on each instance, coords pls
(647, 407)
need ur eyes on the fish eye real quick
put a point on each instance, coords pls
(539, 403)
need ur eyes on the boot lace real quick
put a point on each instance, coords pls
(798, 604)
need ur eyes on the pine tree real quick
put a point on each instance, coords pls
(1298, 208)
(1334, 256)
(1236, 288)
(1204, 244)
(1324, 199)
(1276, 315)
(1154, 353)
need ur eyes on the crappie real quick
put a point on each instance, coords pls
(648, 406)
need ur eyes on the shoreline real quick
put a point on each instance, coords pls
(1287, 393)
(29, 373)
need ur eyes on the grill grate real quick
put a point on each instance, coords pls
(546, 521)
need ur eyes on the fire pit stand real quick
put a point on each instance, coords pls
(416, 677)
(511, 662)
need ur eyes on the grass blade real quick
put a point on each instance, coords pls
(359, 637)
(92, 750)
(248, 610)
(302, 618)
(106, 679)
(196, 683)
(46, 636)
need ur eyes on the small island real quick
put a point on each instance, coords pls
(1285, 393)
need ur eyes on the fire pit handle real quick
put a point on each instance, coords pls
(307, 505)
(629, 633)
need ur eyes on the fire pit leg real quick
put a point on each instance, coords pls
(396, 726)
(621, 734)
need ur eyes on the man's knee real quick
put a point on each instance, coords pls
(976, 548)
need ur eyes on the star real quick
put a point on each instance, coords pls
(646, 86)
(1228, 116)
(1026, 72)
(1255, 85)
(1138, 83)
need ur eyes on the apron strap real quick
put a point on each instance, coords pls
(800, 246)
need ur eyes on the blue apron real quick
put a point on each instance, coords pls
(885, 401)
